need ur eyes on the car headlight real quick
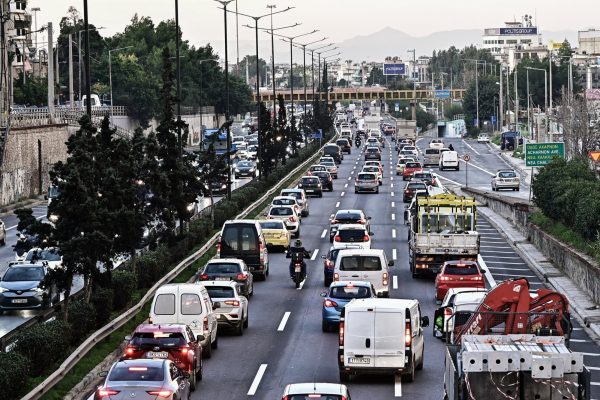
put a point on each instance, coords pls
(2, 290)
(237, 170)
(190, 207)
(223, 186)
(37, 289)
(53, 217)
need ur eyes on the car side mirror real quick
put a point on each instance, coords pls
(425, 321)
(217, 304)
(200, 338)
(324, 257)
(483, 271)
(45, 197)
(391, 263)
(323, 294)
(368, 217)
(103, 374)
(128, 338)
(371, 233)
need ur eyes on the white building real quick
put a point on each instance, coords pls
(514, 35)
(589, 42)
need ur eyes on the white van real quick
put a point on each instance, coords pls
(189, 304)
(431, 156)
(369, 265)
(449, 159)
(372, 341)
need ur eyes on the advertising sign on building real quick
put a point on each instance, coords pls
(442, 94)
(532, 30)
(540, 154)
(394, 69)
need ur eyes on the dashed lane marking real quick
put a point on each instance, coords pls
(284, 321)
(314, 255)
(394, 282)
(393, 234)
(324, 233)
(257, 379)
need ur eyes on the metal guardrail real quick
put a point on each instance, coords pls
(118, 322)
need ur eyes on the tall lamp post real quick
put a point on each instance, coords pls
(200, 96)
(312, 66)
(303, 47)
(477, 85)
(324, 68)
(110, 76)
(319, 68)
(87, 60)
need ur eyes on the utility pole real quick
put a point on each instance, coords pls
(501, 101)
(550, 70)
(178, 68)
(50, 73)
(516, 104)
(88, 92)
(271, 7)
(71, 94)
(35, 11)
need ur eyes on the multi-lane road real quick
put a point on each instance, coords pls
(284, 342)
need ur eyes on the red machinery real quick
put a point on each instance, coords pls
(511, 304)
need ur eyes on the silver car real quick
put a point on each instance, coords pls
(328, 391)
(2, 233)
(366, 182)
(144, 379)
(506, 179)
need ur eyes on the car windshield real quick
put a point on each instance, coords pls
(136, 374)
(350, 292)
(461, 269)
(220, 292)
(422, 175)
(279, 211)
(322, 174)
(297, 195)
(347, 216)
(413, 165)
(342, 142)
(308, 181)
(317, 168)
(371, 169)
(18, 274)
(507, 174)
(352, 235)
(372, 150)
(245, 164)
(328, 163)
(416, 185)
(159, 339)
(272, 225)
(222, 268)
(446, 223)
(284, 202)
(360, 263)
(366, 177)
(43, 255)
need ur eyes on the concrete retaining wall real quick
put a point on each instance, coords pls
(19, 172)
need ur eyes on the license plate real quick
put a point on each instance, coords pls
(221, 278)
(19, 301)
(157, 354)
(359, 360)
(297, 269)
(309, 190)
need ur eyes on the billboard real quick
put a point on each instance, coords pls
(394, 69)
(540, 154)
(441, 94)
(532, 30)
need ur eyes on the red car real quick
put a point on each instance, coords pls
(171, 341)
(458, 274)
(410, 168)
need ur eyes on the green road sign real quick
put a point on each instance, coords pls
(540, 154)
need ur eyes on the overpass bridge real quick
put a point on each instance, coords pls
(348, 94)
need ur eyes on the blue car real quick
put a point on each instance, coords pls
(340, 294)
(329, 263)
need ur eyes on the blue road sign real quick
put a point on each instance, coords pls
(316, 135)
(394, 69)
(493, 119)
(442, 94)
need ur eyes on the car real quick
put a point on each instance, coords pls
(343, 217)
(410, 168)
(50, 256)
(243, 239)
(287, 201)
(389, 129)
(144, 379)
(175, 342)
(410, 189)
(412, 149)
(375, 170)
(326, 180)
(331, 168)
(483, 138)
(366, 182)
(225, 269)
(311, 185)
(275, 233)
(449, 159)
(23, 288)
(436, 144)
(337, 296)
(412, 207)
(426, 176)
(352, 234)
(218, 185)
(314, 168)
(345, 145)
(301, 198)
(373, 142)
(329, 263)
(506, 179)
(364, 265)
(245, 169)
(373, 153)
(230, 305)
(2, 233)
(402, 160)
(252, 150)
(376, 163)
(407, 153)
(456, 309)
(458, 273)
(326, 158)
(288, 215)
(317, 391)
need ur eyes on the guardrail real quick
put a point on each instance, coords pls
(118, 322)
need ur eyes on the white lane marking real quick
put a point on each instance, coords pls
(469, 146)
(324, 233)
(391, 185)
(349, 178)
(510, 269)
(284, 321)
(478, 167)
(450, 180)
(516, 275)
(392, 194)
(257, 379)
(488, 274)
(498, 247)
(393, 234)
(395, 282)
(354, 167)
(398, 386)
(351, 172)
(314, 255)
(394, 255)
(507, 263)
(580, 341)
(346, 185)
(393, 204)
(508, 257)
(342, 194)
(13, 227)
(337, 204)
(393, 217)
(391, 178)
(590, 354)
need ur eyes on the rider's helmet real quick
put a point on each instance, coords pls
(298, 243)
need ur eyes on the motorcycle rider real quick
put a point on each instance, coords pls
(298, 248)
(357, 141)
(450, 147)
(23, 245)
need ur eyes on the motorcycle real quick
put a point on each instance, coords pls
(357, 142)
(297, 263)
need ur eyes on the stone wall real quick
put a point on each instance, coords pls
(19, 172)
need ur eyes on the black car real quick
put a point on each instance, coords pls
(245, 169)
(343, 217)
(326, 180)
(372, 153)
(311, 185)
(22, 288)
(345, 145)
(333, 150)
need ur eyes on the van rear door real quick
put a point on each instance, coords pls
(240, 240)
(359, 337)
(389, 338)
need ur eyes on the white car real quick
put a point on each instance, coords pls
(288, 215)
(402, 160)
(229, 304)
(436, 144)
(455, 306)
(376, 170)
(355, 235)
(483, 138)
(376, 163)
(316, 391)
(49, 255)
(412, 149)
(506, 179)
(287, 201)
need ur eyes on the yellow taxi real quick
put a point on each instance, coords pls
(275, 233)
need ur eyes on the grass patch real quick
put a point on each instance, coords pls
(496, 139)
(564, 234)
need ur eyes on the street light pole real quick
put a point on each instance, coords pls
(545, 92)
(110, 77)
(303, 46)
(312, 56)
(87, 60)
(178, 67)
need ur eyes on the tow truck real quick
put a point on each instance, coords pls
(442, 228)
(515, 345)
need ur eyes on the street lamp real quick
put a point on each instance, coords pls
(312, 66)
(319, 68)
(200, 96)
(35, 10)
(325, 67)
(110, 77)
(303, 46)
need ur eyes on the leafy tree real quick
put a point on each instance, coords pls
(33, 92)
(488, 89)
(455, 62)
(376, 77)
(268, 156)
(452, 111)
(251, 61)
(212, 169)
(424, 119)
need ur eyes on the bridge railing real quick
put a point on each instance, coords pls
(360, 94)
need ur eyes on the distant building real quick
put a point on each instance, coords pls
(589, 42)
(516, 36)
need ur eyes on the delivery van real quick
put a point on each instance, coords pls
(381, 336)
(449, 159)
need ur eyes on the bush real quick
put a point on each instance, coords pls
(42, 344)
(82, 318)
(587, 215)
(14, 369)
(150, 267)
(126, 283)
(102, 300)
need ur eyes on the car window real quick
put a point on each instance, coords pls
(350, 292)
(190, 304)
(43, 255)
(309, 180)
(136, 374)
(272, 225)
(17, 274)
(413, 165)
(219, 292)
(165, 304)
(161, 339)
(366, 176)
(222, 268)
(360, 263)
(507, 174)
(347, 216)
(416, 185)
(352, 235)
(281, 211)
(457, 269)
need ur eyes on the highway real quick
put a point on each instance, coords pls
(284, 342)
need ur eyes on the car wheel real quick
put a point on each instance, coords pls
(325, 326)
(422, 361)
(199, 372)
(377, 191)
(251, 291)
(239, 329)
(215, 344)
(297, 234)
(410, 375)
(344, 376)
(517, 189)
(192, 380)
(355, 191)
(246, 322)
(321, 194)
(207, 351)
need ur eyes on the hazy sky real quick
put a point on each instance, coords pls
(202, 22)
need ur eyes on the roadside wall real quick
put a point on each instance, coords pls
(19, 172)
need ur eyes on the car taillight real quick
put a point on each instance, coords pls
(335, 221)
(337, 238)
(341, 333)
(219, 247)
(163, 393)
(205, 325)
(185, 350)
(336, 277)
(385, 279)
(366, 238)
(129, 350)
(329, 179)
(477, 278)
(447, 311)
(234, 303)
(328, 263)
(106, 392)
(407, 335)
(362, 221)
(204, 277)
(407, 191)
(261, 248)
(292, 219)
(330, 303)
(445, 278)
(241, 277)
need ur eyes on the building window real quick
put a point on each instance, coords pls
(21, 5)
(511, 41)
(525, 40)
(21, 31)
(19, 58)
(500, 41)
